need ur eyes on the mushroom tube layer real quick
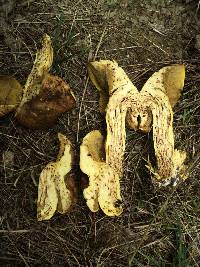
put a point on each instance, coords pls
(151, 108)
(57, 190)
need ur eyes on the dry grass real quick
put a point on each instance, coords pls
(159, 227)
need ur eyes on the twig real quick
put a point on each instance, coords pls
(20, 231)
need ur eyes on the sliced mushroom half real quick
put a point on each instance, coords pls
(151, 108)
(45, 96)
(57, 188)
(104, 187)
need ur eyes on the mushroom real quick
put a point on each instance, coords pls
(45, 96)
(10, 94)
(104, 187)
(151, 108)
(57, 190)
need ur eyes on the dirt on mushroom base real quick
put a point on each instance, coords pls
(156, 226)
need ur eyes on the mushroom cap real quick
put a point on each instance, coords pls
(92, 152)
(42, 111)
(169, 80)
(45, 96)
(107, 77)
(10, 94)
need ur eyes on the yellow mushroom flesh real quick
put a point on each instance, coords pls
(41, 67)
(151, 108)
(57, 190)
(104, 189)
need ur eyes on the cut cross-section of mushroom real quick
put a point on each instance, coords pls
(169, 80)
(104, 185)
(170, 167)
(57, 189)
(45, 96)
(10, 94)
(151, 108)
(107, 78)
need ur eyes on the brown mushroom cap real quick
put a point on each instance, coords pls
(45, 96)
(10, 94)
(42, 111)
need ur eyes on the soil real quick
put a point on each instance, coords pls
(159, 226)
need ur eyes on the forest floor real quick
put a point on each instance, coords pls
(159, 226)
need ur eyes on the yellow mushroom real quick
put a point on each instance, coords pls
(151, 108)
(104, 187)
(45, 96)
(57, 190)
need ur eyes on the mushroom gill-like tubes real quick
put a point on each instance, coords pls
(10, 94)
(104, 186)
(154, 108)
(111, 79)
(45, 96)
(57, 189)
(116, 131)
